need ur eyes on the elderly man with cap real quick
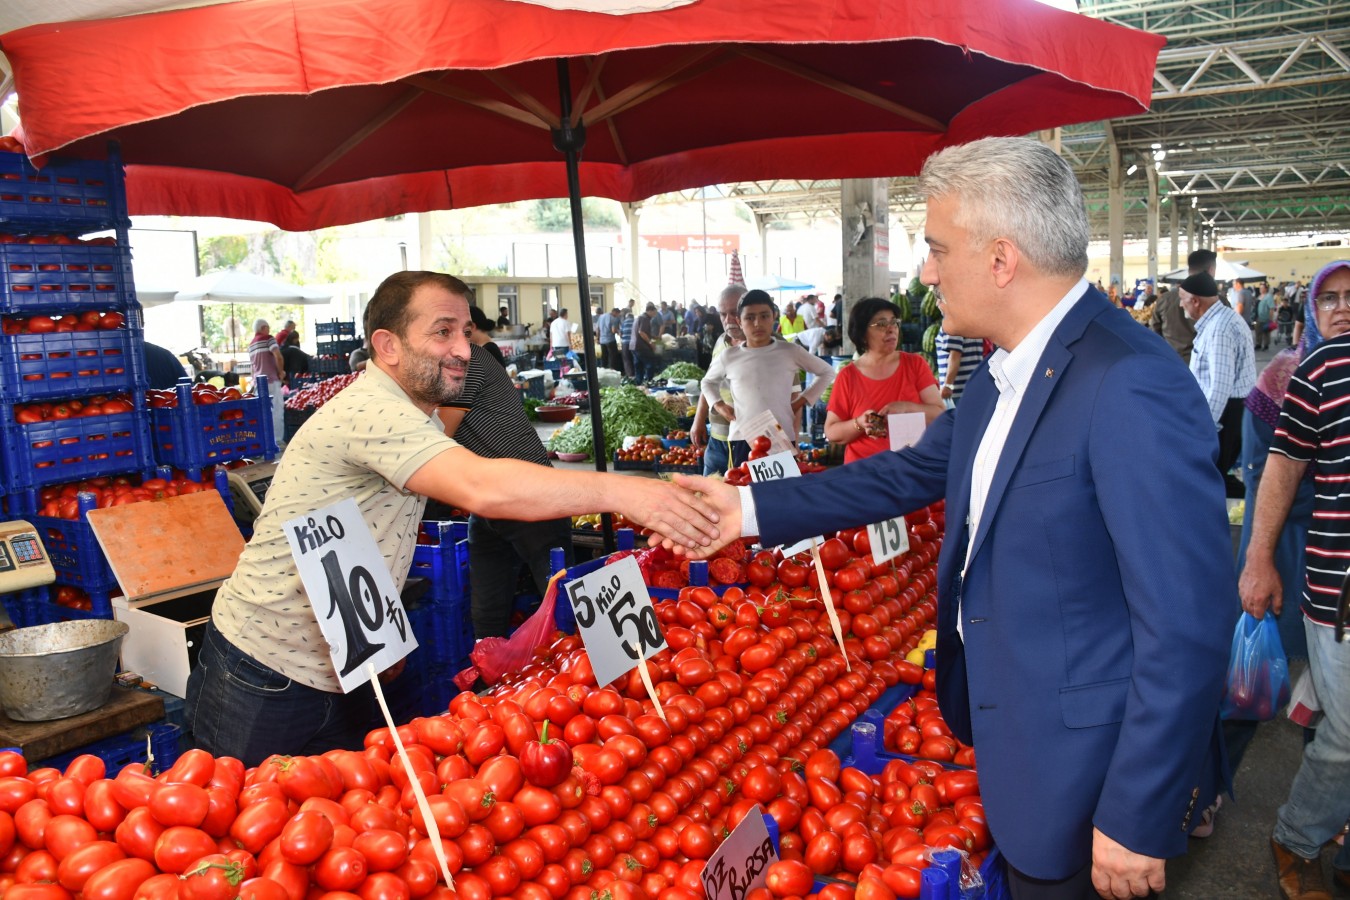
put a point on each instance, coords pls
(1223, 361)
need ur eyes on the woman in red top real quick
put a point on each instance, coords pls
(883, 380)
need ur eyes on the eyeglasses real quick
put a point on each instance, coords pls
(884, 324)
(1328, 301)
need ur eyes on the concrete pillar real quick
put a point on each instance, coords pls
(631, 212)
(1191, 245)
(865, 214)
(1115, 210)
(762, 230)
(1153, 223)
(1173, 202)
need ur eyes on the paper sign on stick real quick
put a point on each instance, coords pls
(616, 619)
(904, 429)
(738, 865)
(766, 424)
(889, 539)
(354, 598)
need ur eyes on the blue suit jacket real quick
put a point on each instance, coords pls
(1097, 607)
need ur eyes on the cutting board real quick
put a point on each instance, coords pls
(126, 709)
(182, 542)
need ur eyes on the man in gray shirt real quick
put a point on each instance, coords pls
(1168, 320)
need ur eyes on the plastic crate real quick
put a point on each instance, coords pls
(533, 387)
(292, 419)
(74, 550)
(65, 195)
(303, 380)
(335, 329)
(61, 450)
(631, 465)
(329, 367)
(444, 561)
(193, 436)
(25, 608)
(165, 743)
(64, 277)
(667, 468)
(338, 346)
(72, 363)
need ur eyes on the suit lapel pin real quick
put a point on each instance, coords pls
(1049, 373)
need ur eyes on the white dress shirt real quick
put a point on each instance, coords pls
(1012, 372)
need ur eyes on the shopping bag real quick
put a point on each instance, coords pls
(493, 657)
(1303, 706)
(1258, 673)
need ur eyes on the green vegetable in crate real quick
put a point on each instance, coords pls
(930, 338)
(681, 371)
(930, 305)
(627, 411)
(574, 437)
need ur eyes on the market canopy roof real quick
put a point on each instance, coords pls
(318, 112)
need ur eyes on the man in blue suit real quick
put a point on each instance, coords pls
(1086, 580)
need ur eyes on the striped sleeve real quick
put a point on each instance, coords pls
(1297, 434)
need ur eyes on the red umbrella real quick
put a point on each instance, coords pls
(308, 113)
(735, 278)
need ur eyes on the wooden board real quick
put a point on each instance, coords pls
(126, 709)
(182, 542)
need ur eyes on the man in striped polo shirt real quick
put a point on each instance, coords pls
(957, 358)
(1314, 428)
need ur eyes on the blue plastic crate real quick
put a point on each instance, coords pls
(64, 277)
(444, 562)
(166, 743)
(330, 367)
(335, 329)
(73, 363)
(65, 195)
(26, 608)
(61, 450)
(193, 436)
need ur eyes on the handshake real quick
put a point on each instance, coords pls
(693, 516)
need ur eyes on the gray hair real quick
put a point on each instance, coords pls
(1019, 189)
(259, 325)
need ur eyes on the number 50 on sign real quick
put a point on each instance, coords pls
(616, 619)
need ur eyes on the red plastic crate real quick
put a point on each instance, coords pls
(39, 277)
(71, 364)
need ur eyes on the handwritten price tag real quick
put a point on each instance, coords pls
(615, 616)
(889, 539)
(353, 595)
(739, 864)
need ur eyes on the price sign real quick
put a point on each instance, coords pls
(739, 864)
(889, 539)
(904, 429)
(764, 424)
(349, 586)
(615, 616)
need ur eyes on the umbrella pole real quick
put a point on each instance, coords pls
(569, 139)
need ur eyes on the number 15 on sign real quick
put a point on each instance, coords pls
(889, 539)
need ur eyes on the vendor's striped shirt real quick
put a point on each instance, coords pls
(1315, 427)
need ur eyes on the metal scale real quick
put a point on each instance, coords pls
(24, 562)
(248, 487)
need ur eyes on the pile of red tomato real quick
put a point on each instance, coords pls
(916, 728)
(663, 570)
(202, 394)
(61, 501)
(98, 405)
(317, 395)
(752, 689)
(63, 239)
(89, 320)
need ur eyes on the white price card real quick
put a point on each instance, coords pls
(616, 618)
(775, 467)
(765, 424)
(904, 429)
(889, 539)
(738, 865)
(350, 589)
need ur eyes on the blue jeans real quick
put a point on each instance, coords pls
(238, 707)
(1319, 799)
(497, 547)
(715, 456)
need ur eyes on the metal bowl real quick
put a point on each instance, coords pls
(59, 670)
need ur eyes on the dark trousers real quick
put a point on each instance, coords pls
(497, 549)
(628, 362)
(1077, 886)
(1230, 445)
(236, 706)
(609, 357)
